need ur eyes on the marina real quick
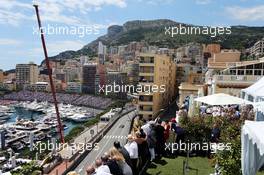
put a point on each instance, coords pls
(22, 122)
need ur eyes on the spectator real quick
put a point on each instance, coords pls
(160, 144)
(112, 164)
(132, 149)
(138, 122)
(215, 134)
(151, 139)
(89, 171)
(124, 152)
(143, 151)
(118, 157)
(73, 173)
(166, 130)
(101, 169)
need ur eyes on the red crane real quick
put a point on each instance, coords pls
(60, 129)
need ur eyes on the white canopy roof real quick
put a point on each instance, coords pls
(257, 89)
(221, 99)
(252, 138)
(259, 106)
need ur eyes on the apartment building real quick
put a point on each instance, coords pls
(132, 69)
(74, 87)
(102, 51)
(257, 49)
(237, 77)
(224, 59)
(88, 78)
(193, 86)
(26, 74)
(212, 48)
(156, 70)
(117, 80)
(1, 76)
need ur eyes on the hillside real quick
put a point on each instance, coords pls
(153, 32)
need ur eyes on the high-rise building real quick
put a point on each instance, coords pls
(1, 76)
(26, 74)
(132, 70)
(101, 52)
(117, 80)
(89, 78)
(156, 70)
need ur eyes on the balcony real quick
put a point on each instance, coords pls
(145, 102)
(146, 64)
(236, 80)
(146, 74)
(145, 112)
(147, 79)
(148, 83)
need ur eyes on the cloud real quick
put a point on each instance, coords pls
(7, 41)
(246, 14)
(67, 12)
(157, 2)
(202, 2)
(11, 18)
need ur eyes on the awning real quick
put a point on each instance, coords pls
(221, 99)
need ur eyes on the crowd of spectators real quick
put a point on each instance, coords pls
(230, 111)
(148, 139)
(145, 144)
(74, 99)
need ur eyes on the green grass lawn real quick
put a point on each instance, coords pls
(173, 166)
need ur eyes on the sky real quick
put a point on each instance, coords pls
(64, 21)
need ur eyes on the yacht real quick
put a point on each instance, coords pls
(17, 146)
(80, 117)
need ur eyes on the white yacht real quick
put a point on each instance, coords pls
(80, 117)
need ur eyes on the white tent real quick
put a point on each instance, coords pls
(221, 99)
(255, 92)
(252, 148)
(259, 108)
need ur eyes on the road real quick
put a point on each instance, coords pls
(119, 132)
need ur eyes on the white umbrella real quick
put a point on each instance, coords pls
(221, 99)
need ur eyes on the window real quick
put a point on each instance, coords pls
(249, 72)
(258, 66)
(257, 72)
(241, 72)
